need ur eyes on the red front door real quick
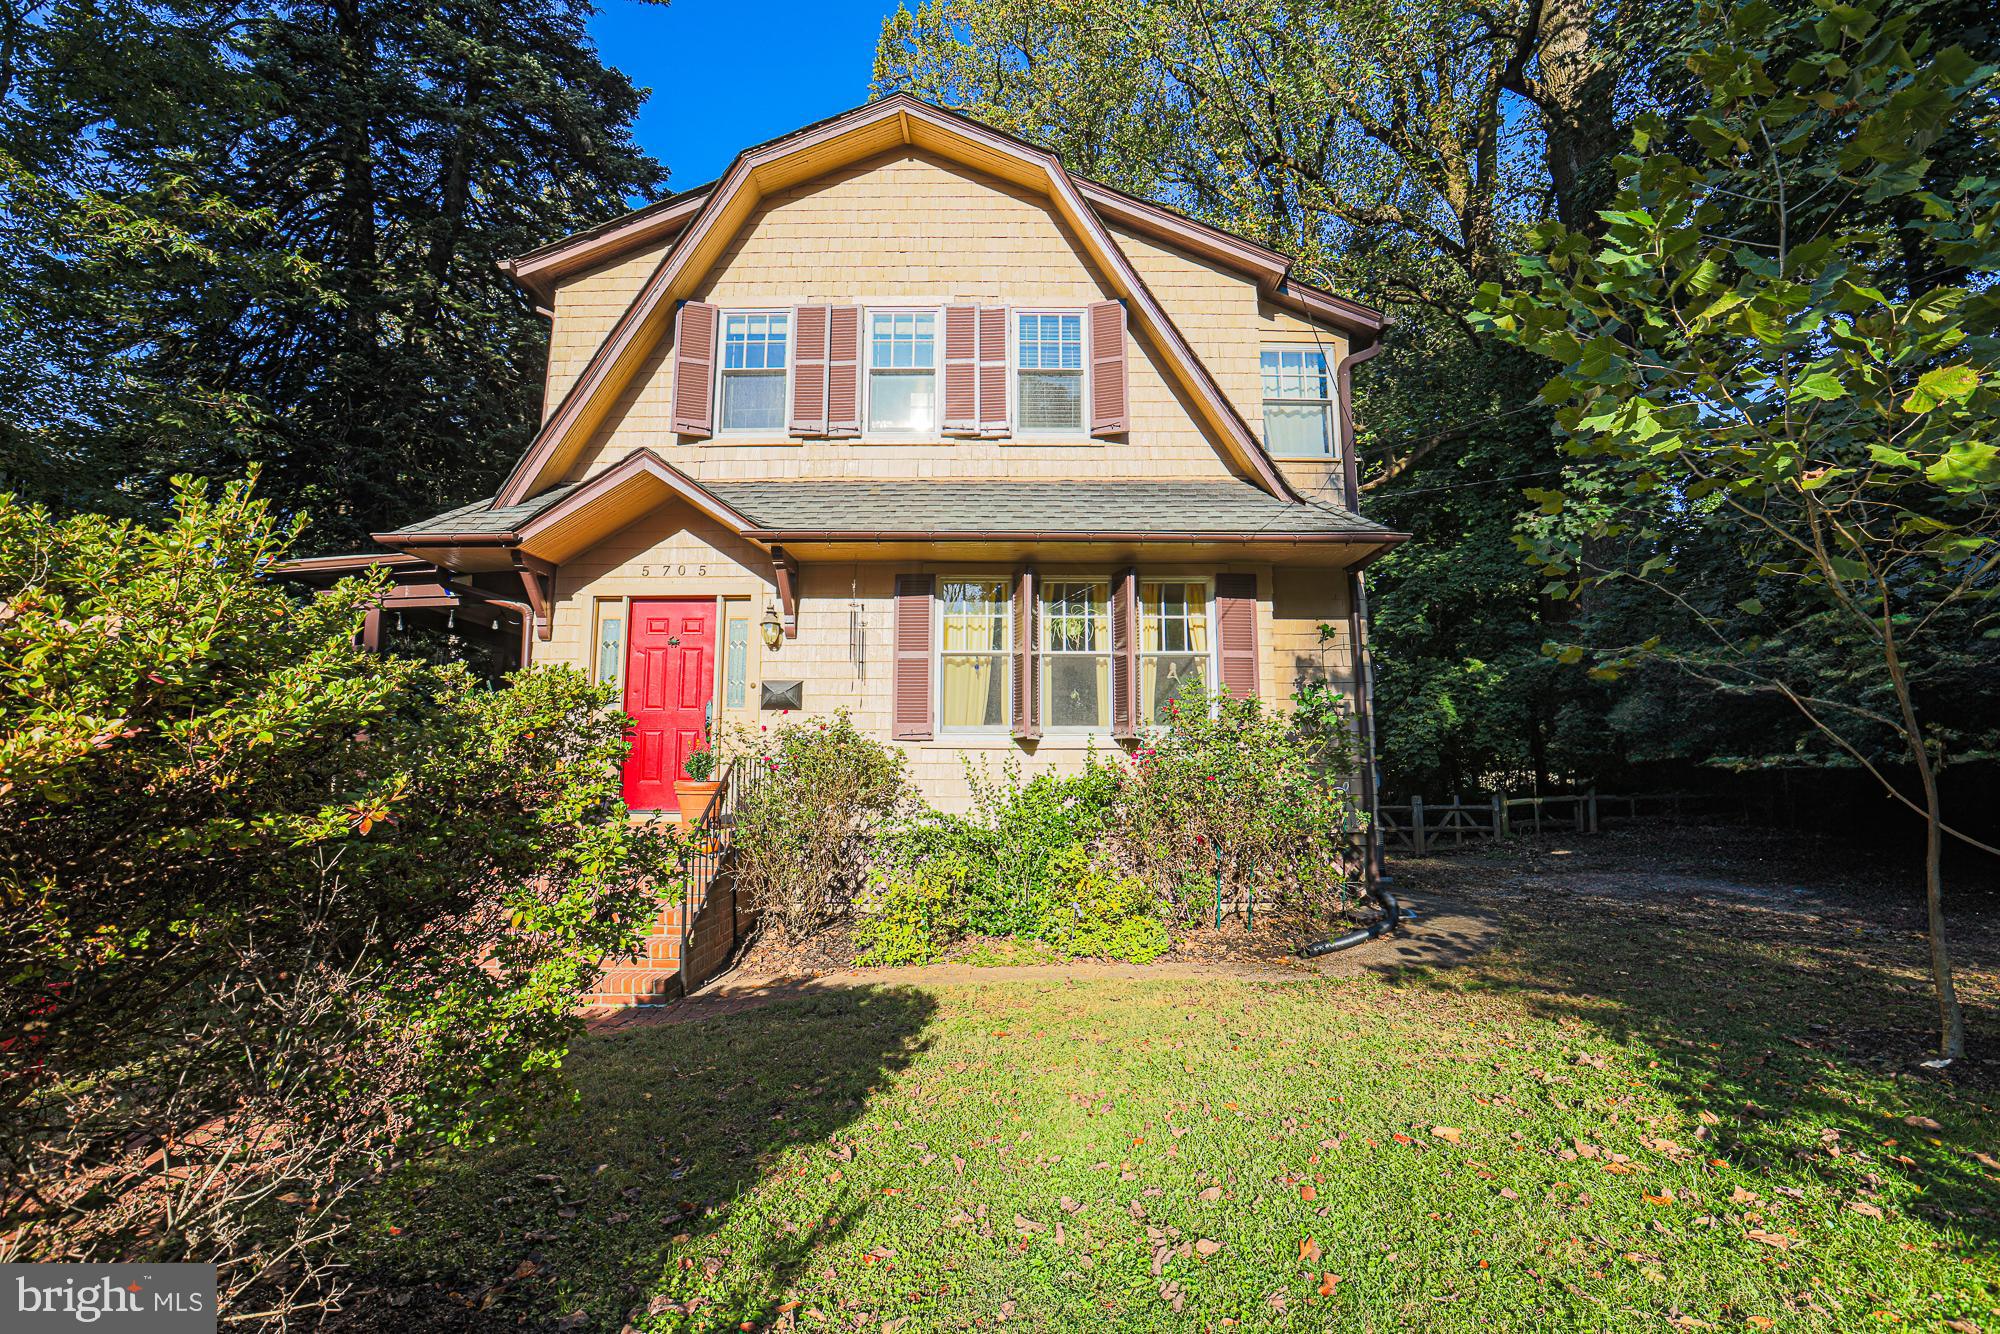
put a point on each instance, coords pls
(669, 681)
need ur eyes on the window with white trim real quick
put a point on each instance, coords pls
(1298, 402)
(1048, 354)
(1174, 643)
(902, 370)
(754, 356)
(975, 683)
(1076, 654)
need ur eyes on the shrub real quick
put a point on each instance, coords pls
(1022, 828)
(275, 906)
(1095, 914)
(1258, 792)
(907, 919)
(807, 822)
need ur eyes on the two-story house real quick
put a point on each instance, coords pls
(901, 417)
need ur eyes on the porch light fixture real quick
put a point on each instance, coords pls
(773, 628)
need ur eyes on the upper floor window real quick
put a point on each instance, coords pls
(974, 682)
(1298, 402)
(1173, 642)
(753, 371)
(1049, 353)
(1076, 654)
(902, 370)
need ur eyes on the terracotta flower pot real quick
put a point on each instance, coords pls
(696, 799)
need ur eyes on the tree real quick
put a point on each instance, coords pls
(274, 907)
(1796, 420)
(282, 248)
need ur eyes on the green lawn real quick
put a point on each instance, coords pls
(1622, 1120)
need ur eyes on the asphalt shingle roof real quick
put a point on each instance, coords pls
(915, 507)
(478, 520)
(1031, 507)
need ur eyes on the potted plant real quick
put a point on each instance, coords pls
(699, 791)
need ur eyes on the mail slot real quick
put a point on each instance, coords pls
(783, 695)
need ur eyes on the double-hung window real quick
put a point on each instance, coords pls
(1298, 402)
(1048, 352)
(754, 346)
(1076, 654)
(1173, 642)
(974, 680)
(902, 371)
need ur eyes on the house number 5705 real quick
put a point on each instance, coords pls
(674, 571)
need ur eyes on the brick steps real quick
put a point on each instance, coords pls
(651, 974)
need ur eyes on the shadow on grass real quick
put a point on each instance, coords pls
(1802, 1031)
(607, 1209)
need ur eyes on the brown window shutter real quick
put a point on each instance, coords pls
(1236, 632)
(993, 370)
(843, 370)
(694, 369)
(1125, 711)
(961, 368)
(1110, 413)
(912, 684)
(1027, 692)
(808, 370)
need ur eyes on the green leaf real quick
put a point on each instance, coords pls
(1823, 385)
(1750, 607)
(1967, 463)
(1946, 384)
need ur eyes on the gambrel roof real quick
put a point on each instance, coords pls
(701, 224)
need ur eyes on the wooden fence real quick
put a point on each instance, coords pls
(1418, 827)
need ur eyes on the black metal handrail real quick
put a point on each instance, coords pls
(708, 840)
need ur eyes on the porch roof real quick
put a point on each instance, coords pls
(950, 509)
(955, 509)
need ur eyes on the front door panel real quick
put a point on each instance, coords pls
(669, 681)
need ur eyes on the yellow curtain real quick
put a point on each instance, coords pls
(973, 690)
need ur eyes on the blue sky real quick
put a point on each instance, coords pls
(728, 73)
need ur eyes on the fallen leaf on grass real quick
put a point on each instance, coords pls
(1307, 1193)
(1327, 1283)
(1777, 1240)
(1277, 1301)
(1449, 1134)
(1667, 1198)
(1308, 1251)
(1027, 1224)
(1865, 1209)
(1211, 1195)
(1921, 1123)
(1759, 1322)
(1069, 1206)
(1206, 1247)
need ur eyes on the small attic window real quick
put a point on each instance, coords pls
(1049, 350)
(754, 346)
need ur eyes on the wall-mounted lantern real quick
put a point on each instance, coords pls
(773, 628)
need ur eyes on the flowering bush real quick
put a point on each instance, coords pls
(1258, 794)
(809, 817)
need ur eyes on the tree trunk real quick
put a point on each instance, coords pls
(1951, 1020)
(1576, 78)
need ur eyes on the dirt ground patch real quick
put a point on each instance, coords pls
(1444, 933)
